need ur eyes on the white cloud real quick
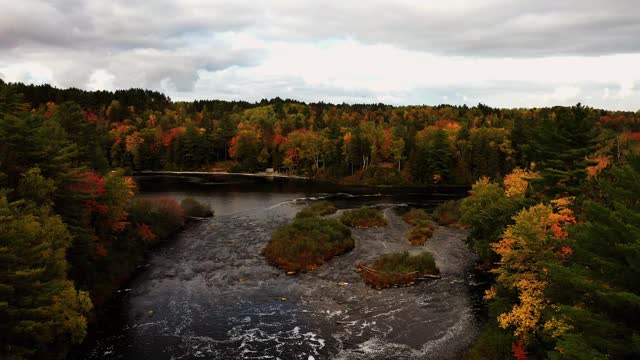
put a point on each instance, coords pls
(499, 52)
(101, 80)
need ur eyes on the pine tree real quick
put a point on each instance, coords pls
(40, 310)
(599, 289)
(562, 144)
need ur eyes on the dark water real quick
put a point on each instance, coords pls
(210, 294)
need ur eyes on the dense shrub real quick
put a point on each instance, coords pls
(414, 216)
(317, 208)
(307, 243)
(363, 217)
(447, 213)
(193, 207)
(164, 215)
(396, 269)
(420, 233)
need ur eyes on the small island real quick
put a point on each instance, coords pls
(308, 242)
(423, 226)
(398, 269)
(364, 217)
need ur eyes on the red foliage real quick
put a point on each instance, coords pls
(99, 208)
(90, 115)
(233, 151)
(279, 139)
(145, 233)
(101, 251)
(518, 350)
(88, 182)
(168, 136)
(634, 136)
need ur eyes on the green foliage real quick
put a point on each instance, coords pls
(561, 147)
(307, 243)
(397, 269)
(39, 307)
(193, 207)
(432, 157)
(402, 263)
(488, 211)
(599, 289)
(363, 217)
(317, 208)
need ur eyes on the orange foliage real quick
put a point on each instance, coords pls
(133, 142)
(119, 131)
(447, 124)
(51, 109)
(595, 169)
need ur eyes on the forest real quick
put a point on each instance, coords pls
(554, 205)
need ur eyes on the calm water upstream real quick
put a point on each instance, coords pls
(210, 294)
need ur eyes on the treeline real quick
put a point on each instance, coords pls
(374, 143)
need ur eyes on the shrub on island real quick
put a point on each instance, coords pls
(363, 217)
(164, 216)
(414, 216)
(317, 208)
(448, 213)
(420, 233)
(398, 269)
(307, 243)
(195, 208)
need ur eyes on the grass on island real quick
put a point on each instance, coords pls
(448, 213)
(398, 269)
(317, 208)
(307, 243)
(420, 233)
(363, 217)
(414, 216)
(195, 208)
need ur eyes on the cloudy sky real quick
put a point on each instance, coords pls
(499, 52)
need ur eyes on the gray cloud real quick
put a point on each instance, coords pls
(185, 49)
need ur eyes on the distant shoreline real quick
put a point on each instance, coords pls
(258, 174)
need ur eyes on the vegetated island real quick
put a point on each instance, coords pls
(308, 242)
(423, 226)
(364, 217)
(398, 269)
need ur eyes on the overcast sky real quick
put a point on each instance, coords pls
(499, 52)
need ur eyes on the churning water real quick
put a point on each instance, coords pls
(210, 294)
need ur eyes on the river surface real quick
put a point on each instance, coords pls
(209, 293)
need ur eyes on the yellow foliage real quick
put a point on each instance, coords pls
(515, 184)
(535, 238)
(556, 327)
(526, 315)
(490, 293)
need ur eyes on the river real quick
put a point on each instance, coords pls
(209, 293)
